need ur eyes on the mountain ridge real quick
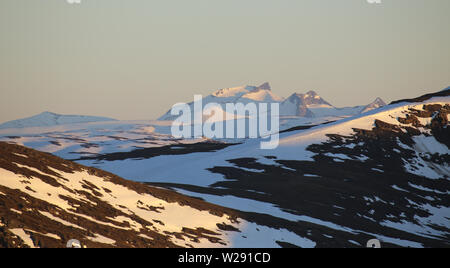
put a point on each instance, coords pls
(52, 119)
(308, 105)
(312, 105)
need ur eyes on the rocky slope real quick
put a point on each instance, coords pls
(46, 201)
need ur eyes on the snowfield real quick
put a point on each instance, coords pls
(86, 139)
(292, 147)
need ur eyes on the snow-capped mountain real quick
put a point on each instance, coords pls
(382, 174)
(301, 104)
(298, 105)
(378, 103)
(312, 99)
(235, 92)
(294, 106)
(52, 119)
(46, 201)
(244, 94)
(262, 93)
(312, 105)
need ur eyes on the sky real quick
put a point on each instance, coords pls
(134, 59)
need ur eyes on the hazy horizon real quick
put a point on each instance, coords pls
(134, 59)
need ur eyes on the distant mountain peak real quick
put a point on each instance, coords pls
(295, 96)
(47, 113)
(262, 93)
(244, 94)
(300, 104)
(232, 92)
(48, 119)
(241, 90)
(311, 98)
(311, 93)
(265, 86)
(377, 103)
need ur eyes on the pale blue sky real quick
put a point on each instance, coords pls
(133, 59)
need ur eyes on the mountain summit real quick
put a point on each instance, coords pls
(265, 86)
(311, 98)
(263, 93)
(295, 106)
(374, 105)
(313, 105)
(241, 94)
(237, 92)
